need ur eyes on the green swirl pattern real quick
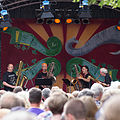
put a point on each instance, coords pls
(93, 70)
(21, 37)
(31, 71)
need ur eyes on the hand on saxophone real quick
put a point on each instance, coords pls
(80, 77)
(51, 75)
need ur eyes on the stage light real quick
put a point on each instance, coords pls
(85, 2)
(49, 21)
(57, 21)
(76, 21)
(84, 11)
(5, 28)
(4, 15)
(46, 13)
(46, 5)
(69, 21)
(118, 26)
(40, 21)
(85, 21)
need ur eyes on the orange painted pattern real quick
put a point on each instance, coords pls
(72, 30)
(87, 33)
(57, 31)
(59, 81)
(39, 29)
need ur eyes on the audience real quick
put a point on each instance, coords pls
(35, 96)
(17, 89)
(98, 92)
(10, 100)
(90, 107)
(110, 110)
(45, 93)
(74, 109)
(56, 103)
(19, 115)
(86, 92)
(3, 112)
(96, 103)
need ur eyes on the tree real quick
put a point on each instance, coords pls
(112, 3)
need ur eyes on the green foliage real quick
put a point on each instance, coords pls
(112, 3)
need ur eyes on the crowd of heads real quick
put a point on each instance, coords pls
(96, 103)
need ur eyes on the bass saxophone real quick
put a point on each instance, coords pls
(97, 81)
(20, 82)
(77, 84)
(50, 70)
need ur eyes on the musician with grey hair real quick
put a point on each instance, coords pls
(104, 72)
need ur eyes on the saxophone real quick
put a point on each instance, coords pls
(77, 84)
(97, 81)
(19, 73)
(50, 70)
(18, 82)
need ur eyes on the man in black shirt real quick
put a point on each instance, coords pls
(43, 75)
(9, 78)
(104, 72)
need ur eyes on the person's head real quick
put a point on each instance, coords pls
(98, 90)
(108, 93)
(24, 95)
(10, 100)
(10, 68)
(18, 89)
(19, 115)
(2, 92)
(75, 93)
(90, 107)
(110, 109)
(56, 103)
(85, 69)
(45, 93)
(103, 71)
(74, 109)
(86, 92)
(3, 112)
(35, 96)
(44, 66)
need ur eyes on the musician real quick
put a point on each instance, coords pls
(9, 78)
(104, 72)
(84, 79)
(43, 74)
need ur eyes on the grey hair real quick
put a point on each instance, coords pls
(46, 92)
(97, 89)
(86, 92)
(104, 70)
(19, 115)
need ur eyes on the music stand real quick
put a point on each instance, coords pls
(68, 83)
(43, 81)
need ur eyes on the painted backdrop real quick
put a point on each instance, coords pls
(96, 45)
